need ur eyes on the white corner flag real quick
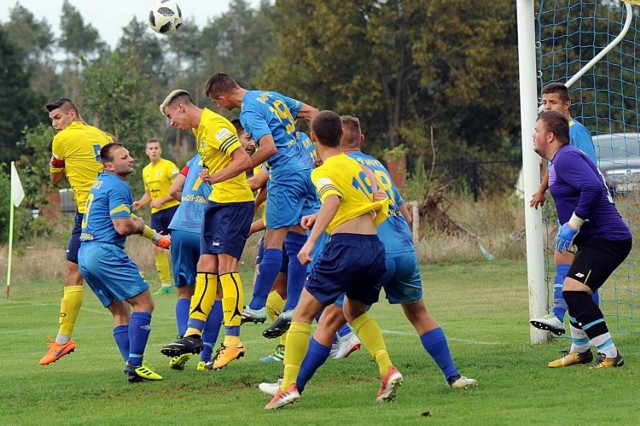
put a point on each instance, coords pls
(17, 195)
(17, 192)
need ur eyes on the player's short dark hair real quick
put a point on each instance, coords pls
(236, 123)
(63, 103)
(557, 88)
(556, 123)
(352, 131)
(106, 152)
(153, 140)
(219, 84)
(327, 127)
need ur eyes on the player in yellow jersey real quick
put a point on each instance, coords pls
(76, 156)
(158, 176)
(352, 262)
(227, 220)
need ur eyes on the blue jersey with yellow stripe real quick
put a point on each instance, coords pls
(393, 232)
(195, 193)
(109, 198)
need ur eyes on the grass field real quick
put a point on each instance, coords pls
(482, 307)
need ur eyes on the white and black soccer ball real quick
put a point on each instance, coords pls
(165, 17)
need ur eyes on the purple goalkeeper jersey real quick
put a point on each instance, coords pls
(577, 186)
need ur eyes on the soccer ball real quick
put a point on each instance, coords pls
(165, 17)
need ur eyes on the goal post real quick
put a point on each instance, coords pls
(531, 165)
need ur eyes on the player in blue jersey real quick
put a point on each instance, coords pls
(591, 222)
(555, 97)
(186, 225)
(107, 268)
(269, 118)
(402, 282)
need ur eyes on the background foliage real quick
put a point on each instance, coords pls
(436, 77)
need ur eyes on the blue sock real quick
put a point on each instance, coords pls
(233, 330)
(139, 329)
(296, 272)
(315, 357)
(435, 343)
(345, 330)
(121, 336)
(182, 315)
(596, 298)
(559, 305)
(268, 271)
(211, 331)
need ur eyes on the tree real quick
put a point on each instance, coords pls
(35, 42)
(20, 106)
(119, 99)
(404, 67)
(78, 40)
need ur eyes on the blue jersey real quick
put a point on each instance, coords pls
(195, 194)
(110, 198)
(266, 113)
(580, 137)
(577, 186)
(393, 232)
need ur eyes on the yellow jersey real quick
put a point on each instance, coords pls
(217, 139)
(76, 151)
(157, 181)
(342, 176)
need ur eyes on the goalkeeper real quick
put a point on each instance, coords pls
(591, 221)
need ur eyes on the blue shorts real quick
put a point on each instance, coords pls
(352, 264)
(110, 272)
(226, 227)
(402, 282)
(185, 252)
(289, 197)
(160, 220)
(285, 257)
(74, 241)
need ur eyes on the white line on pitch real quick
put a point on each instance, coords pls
(453, 339)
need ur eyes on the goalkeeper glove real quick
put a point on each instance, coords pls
(567, 233)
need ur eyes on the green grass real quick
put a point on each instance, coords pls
(482, 307)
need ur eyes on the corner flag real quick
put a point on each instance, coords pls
(17, 195)
(17, 192)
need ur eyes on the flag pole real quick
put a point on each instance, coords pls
(10, 247)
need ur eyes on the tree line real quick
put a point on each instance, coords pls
(426, 77)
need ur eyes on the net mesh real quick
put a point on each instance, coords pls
(605, 100)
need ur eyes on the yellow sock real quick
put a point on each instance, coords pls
(274, 305)
(202, 299)
(297, 346)
(70, 307)
(369, 332)
(231, 341)
(163, 267)
(232, 298)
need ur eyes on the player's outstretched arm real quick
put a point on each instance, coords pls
(162, 241)
(324, 217)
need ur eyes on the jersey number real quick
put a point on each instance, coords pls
(284, 115)
(96, 150)
(87, 208)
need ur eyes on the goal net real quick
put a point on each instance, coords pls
(570, 34)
